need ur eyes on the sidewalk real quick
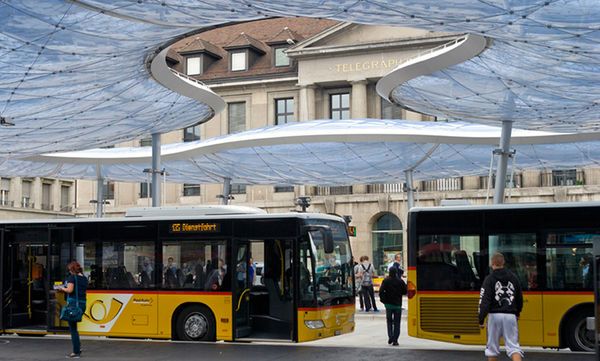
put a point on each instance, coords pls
(381, 314)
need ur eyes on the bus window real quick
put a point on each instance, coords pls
(520, 253)
(200, 265)
(125, 264)
(85, 253)
(568, 261)
(449, 262)
(307, 292)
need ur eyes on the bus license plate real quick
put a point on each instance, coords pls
(337, 332)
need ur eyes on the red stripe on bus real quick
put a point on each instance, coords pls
(532, 293)
(323, 308)
(448, 292)
(412, 268)
(194, 293)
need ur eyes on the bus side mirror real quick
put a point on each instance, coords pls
(327, 235)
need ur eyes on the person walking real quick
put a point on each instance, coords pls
(501, 300)
(367, 272)
(390, 293)
(358, 283)
(76, 287)
(397, 265)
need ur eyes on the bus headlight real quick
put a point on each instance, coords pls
(314, 324)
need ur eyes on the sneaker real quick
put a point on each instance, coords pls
(395, 343)
(390, 341)
(375, 310)
(74, 355)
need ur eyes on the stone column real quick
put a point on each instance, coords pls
(307, 106)
(36, 192)
(358, 104)
(55, 196)
(16, 191)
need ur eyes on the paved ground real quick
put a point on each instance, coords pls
(367, 343)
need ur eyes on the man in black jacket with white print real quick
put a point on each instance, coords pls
(501, 300)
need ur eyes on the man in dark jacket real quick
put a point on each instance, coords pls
(390, 293)
(501, 300)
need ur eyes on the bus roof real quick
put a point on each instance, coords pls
(174, 217)
(505, 206)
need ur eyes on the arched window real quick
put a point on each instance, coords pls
(387, 241)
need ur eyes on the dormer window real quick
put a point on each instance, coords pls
(243, 52)
(239, 60)
(199, 55)
(281, 59)
(194, 65)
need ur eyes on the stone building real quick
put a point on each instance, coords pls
(277, 71)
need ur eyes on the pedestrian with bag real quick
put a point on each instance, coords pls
(501, 300)
(390, 293)
(367, 272)
(75, 288)
(358, 284)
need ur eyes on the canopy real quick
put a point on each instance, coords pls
(325, 152)
(75, 74)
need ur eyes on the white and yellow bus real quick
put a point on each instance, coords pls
(548, 247)
(183, 274)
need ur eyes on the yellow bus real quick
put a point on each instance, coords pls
(185, 274)
(548, 247)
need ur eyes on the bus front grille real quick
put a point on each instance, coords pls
(450, 315)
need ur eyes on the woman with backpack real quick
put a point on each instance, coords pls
(366, 273)
(390, 293)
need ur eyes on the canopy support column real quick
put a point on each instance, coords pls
(99, 191)
(156, 172)
(504, 153)
(410, 195)
(226, 191)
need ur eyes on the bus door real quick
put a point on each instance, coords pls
(241, 288)
(24, 295)
(271, 295)
(60, 254)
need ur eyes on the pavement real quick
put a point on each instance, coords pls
(369, 341)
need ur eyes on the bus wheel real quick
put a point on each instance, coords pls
(579, 338)
(196, 323)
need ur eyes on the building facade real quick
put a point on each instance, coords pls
(277, 71)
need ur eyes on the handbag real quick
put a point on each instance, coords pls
(72, 312)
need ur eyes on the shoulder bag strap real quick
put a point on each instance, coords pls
(76, 292)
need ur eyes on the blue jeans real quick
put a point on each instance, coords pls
(75, 334)
(393, 324)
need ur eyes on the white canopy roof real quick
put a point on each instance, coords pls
(326, 152)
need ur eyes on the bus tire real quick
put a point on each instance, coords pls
(196, 323)
(577, 335)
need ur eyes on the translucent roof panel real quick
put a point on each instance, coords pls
(73, 78)
(540, 70)
(323, 152)
(74, 74)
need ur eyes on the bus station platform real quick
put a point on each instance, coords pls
(54, 348)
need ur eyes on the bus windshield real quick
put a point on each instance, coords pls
(333, 279)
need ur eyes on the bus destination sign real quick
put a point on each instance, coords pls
(195, 227)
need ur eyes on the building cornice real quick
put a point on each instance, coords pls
(416, 42)
(251, 82)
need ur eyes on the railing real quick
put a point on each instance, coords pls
(47, 207)
(187, 77)
(437, 48)
(68, 209)
(26, 204)
(386, 188)
(7, 203)
(517, 181)
(333, 191)
(557, 178)
(445, 184)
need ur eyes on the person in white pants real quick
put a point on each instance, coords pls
(501, 300)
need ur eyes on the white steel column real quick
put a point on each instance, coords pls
(156, 170)
(99, 191)
(504, 153)
(410, 195)
(226, 191)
